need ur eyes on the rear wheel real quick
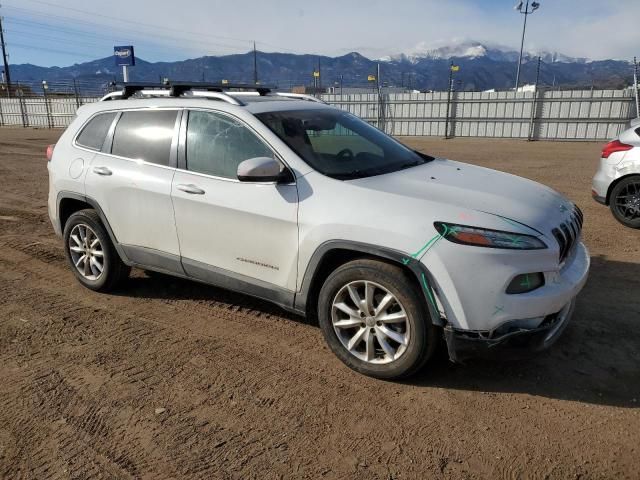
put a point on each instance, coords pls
(625, 201)
(91, 255)
(374, 319)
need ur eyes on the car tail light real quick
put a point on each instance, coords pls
(50, 151)
(613, 147)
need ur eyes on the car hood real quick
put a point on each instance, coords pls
(479, 189)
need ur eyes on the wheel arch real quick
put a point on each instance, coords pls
(70, 203)
(334, 253)
(616, 182)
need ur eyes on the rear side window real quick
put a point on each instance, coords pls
(216, 144)
(145, 135)
(95, 132)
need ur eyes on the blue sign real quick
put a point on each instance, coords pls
(124, 55)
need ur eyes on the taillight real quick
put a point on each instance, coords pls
(613, 147)
(50, 151)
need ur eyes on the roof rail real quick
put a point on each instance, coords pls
(219, 91)
(301, 96)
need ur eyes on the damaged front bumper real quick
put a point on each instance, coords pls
(512, 340)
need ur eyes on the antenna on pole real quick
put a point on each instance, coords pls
(7, 75)
(255, 64)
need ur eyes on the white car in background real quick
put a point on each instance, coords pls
(312, 208)
(617, 181)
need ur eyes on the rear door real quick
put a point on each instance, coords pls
(131, 181)
(244, 231)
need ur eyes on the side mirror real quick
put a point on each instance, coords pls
(263, 169)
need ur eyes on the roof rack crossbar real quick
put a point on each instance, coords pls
(129, 89)
(181, 87)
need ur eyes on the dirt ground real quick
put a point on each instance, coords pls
(172, 379)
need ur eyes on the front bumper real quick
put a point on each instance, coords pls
(516, 342)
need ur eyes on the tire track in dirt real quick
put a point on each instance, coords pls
(149, 371)
(249, 391)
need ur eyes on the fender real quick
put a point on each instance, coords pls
(419, 270)
(103, 218)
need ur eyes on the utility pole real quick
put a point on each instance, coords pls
(452, 68)
(7, 75)
(534, 104)
(319, 77)
(255, 65)
(526, 12)
(635, 86)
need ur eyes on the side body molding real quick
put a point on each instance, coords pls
(296, 302)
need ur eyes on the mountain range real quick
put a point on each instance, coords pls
(482, 67)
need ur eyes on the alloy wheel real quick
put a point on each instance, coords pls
(627, 203)
(370, 322)
(86, 252)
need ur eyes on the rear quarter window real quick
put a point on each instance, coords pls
(95, 132)
(145, 135)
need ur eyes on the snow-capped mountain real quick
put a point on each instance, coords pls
(469, 49)
(424, 67)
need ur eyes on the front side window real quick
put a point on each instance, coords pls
(145, 135)
(95, 132)
(217, 144)
(340, 145)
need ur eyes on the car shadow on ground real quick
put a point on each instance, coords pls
(597, 359)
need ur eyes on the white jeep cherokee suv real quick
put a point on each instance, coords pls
(311, 208)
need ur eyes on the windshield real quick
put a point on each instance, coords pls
(340, 145)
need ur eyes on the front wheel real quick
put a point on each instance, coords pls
(375, 320)
(625, 201)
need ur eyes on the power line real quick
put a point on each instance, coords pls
(52, 50)
(158, 39)
(244, 42)
(132, 22)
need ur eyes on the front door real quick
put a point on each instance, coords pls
(231, 231)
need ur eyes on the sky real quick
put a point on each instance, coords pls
(53, 32)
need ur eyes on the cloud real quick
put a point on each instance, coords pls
(586, 28)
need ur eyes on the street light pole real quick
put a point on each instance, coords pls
(526, 12)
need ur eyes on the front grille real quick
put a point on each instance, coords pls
(568, 233)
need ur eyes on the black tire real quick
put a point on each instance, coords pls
(626, 215)
(114, 270)
(423, 339)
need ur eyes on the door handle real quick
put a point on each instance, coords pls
(190, 188)
(102, 171)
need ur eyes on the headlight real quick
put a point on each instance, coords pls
(484, 237)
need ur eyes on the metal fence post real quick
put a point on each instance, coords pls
(1, 114)
(23, 113)
(75, 91)
(46, 103)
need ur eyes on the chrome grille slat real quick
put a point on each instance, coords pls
(567, 234)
